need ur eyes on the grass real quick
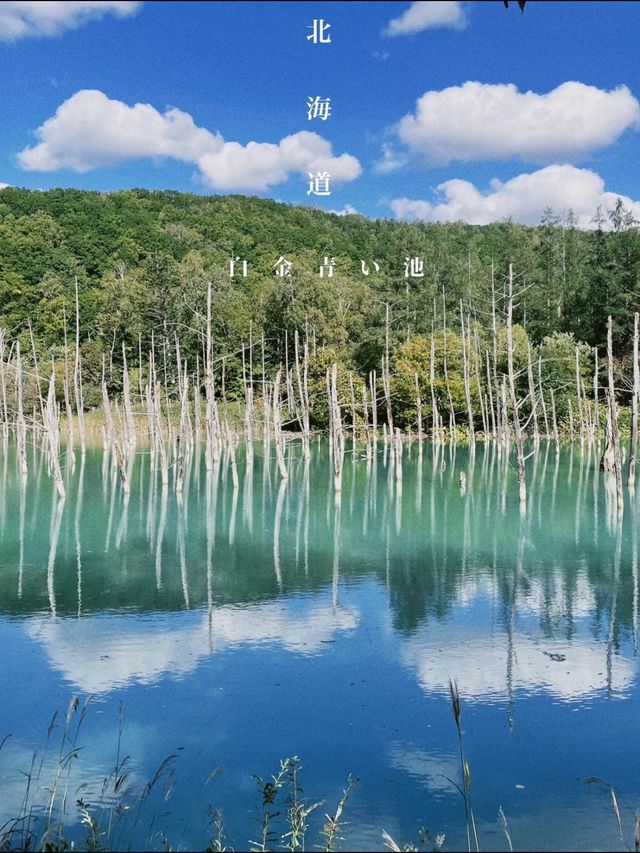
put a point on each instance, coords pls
(57, 814)
(120, 813)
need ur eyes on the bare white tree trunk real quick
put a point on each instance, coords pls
(3, 387)
(435, 415)
(533, 399)
(466, 378)
(21, 427)
(277, 427)
(612, 457)
(522, 482)
(77, 376)
(633, 451)
(338, 432)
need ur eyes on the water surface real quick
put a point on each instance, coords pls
(239, 627)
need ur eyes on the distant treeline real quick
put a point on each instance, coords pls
(143, 261)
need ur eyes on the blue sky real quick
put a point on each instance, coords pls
(241, 73)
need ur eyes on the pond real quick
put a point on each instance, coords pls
(231, 628)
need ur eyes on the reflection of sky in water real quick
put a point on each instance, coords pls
(238, 628)
(466, 648)
(97, 654)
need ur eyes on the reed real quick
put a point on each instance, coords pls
(120, 812)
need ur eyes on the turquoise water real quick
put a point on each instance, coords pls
(239, 627)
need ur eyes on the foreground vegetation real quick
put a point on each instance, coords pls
(57, 814)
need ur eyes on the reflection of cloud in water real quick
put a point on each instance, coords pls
(584, 808)
(467, 649)
(86, 776)
(549, 599)
(431, 769)
(555, 602)
(481, 664)
(100, 653)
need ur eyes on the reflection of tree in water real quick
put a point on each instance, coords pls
(567, 571)
(433, 545)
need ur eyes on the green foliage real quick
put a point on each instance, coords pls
(317, 383)
(414, 357)
(558, 365)
(144, 259)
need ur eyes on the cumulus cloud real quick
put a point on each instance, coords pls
(91, 130)
(259, 165)
(481, 121)
(524, 198)
(22, 19)
(426, 15)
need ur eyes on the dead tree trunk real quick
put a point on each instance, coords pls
(477, 361)
(522, 482)
(385, 373)
(633, 451)
(466, 378)
(3, 388)
(277, 427)
(159, 433)
(452, 413)
(533, 399)
(554, 422)
(367, 428)
(338, 433)
(435, 415)
(303, 395)
(77, 376)
(418, 408)
(580, 406)
(612, 457)
(596, 382)
(21, 427)
(374, 405)
(491, 406)
(52, 428)
(130, 421)
(542, 400)
(212, 423)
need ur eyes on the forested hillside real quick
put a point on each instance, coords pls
(143, 261)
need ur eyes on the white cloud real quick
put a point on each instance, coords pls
(258, 165)
(481, 121)
(4, 186)
(426, 15)
(524, 198)
(347, 210)
(410, 209)
(91, 130)
(24, 19)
